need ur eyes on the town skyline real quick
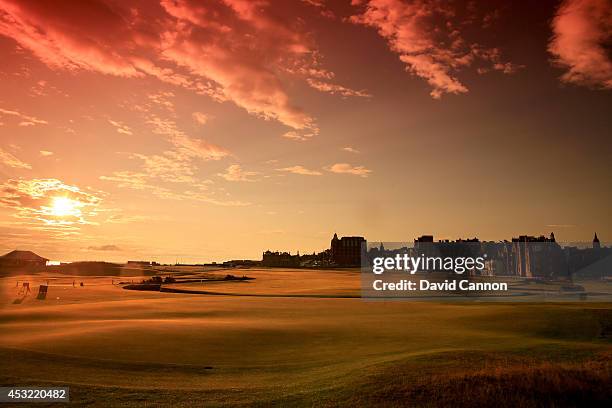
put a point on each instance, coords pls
(202, 260)
(160, 130)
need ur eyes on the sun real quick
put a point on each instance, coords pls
(64, 206)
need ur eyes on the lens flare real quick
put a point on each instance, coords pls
(64, 207)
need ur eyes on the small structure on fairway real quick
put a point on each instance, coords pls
(22, 260)
(42, 292)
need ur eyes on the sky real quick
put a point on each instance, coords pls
(197, 131)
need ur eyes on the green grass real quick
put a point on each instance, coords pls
(459, 379)
(114, 347)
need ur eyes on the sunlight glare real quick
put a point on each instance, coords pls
(64, 206)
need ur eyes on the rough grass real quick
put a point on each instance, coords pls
(501, 381)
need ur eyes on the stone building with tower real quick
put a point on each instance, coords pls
(346, 251)
(280, 259)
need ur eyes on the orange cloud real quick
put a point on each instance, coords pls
(169, 166)
(300, 136)
(236, 173)
(345, 168)
(49, 203)
(200, 118)
(163, 99)
(25, 120)
(582, 31)
(109, 247)
(129, 179)
(192, 189)
(197, 46)
(121, 128)
(335, 89)
(427, 40)
(214, 48)
(71, 35)
(185, 145)
(323, 10)
(175, 166)
(9, 160)
(300, 170)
